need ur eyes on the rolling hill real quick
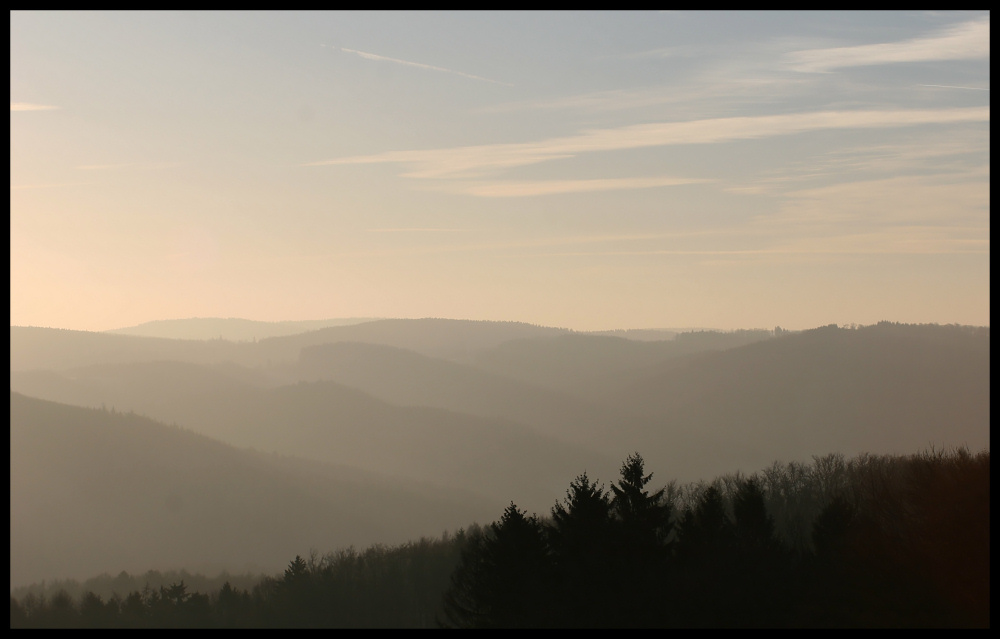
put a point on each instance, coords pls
(94, 491)
(490, 410)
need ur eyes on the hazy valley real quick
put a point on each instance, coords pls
(134, 452)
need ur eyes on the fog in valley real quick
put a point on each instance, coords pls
(131, 452)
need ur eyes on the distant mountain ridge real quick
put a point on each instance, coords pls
(233, 329)
(239, 329)
(507, 410)
(329, 421)
(60, 349)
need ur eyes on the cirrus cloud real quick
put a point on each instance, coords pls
(964, 41)
(479, 160)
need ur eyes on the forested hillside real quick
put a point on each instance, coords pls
(889, 541)
(94, 490)
(214, 455)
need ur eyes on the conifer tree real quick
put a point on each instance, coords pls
(583, 543)
(297, 569)
(503, 579)
(641, 550)
(754, 525)
(706, 528)
(645, 517)
(582, 523)
(761, 582)
(705, 549)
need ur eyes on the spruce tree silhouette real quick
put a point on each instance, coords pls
(296, 603)
(641, 549)
(832, 598)
(645, 517)
(503, 579)
(754, 526)
(95, 613)
(706, 528)
(582, 539)
(297, 570)
(233, 608)
(760, 579)
(705, 549)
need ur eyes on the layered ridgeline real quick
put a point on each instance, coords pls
(501, 410)
(96, 491)
(873, 541)
(233, 329)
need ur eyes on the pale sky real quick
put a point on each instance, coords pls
(582, 170)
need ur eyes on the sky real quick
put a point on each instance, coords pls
(586, 170)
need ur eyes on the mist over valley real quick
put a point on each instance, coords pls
(130, 453)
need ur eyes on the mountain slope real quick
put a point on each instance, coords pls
(330, 422)
(878, 389)
(587, 365)
(691, 413)
(447, 338)
(94, 491)
(408, 378)
(232, 329)
(57, 349)
(34, 348)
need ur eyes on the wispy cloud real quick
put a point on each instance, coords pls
(416, 230)
(794, 243)
(949, 86)
(27, 106)
(907, 200)
(897, 240)
(137, 166)
(551, 187)
(419, 65)
(746, 244)
(964, 41)
(533, 244)
(952, 153)
(713, 88)
(52, 185)
(662, 52)
(957, 154)
(104, 167)
(476, 161)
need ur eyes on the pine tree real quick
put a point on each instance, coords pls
(582, 524)
(705, 549)
(297, 569)
(642, 526)
(706, 528)
(760, 576)
(582, 541)
(295, 603)
(645, 517)
(503, 579)
(754, 525)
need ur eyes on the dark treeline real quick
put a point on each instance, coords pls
(875, 541)
(898, 542)
(106, 585)
(381, 587)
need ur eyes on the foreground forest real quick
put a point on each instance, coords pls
(872, 541)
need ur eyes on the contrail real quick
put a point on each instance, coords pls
(382, 58)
